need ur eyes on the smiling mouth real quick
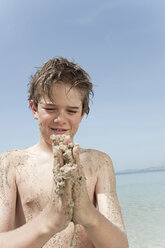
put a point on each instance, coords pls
(59, 130)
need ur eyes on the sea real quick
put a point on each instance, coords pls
(142, 201)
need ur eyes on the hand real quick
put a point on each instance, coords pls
(61, 205)
(81, 199)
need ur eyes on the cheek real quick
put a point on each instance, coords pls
(45, 118)
(40, 125)
(75, 124)
(76, 121)
(43, 121)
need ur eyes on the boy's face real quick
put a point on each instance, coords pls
(62, 115)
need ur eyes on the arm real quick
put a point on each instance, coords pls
(104, 227)
(36, 232)
(108, 227)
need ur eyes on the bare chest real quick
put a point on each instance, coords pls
(34, 178)
(35, 182)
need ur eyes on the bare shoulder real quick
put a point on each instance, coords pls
(100, 160)
(93, 153)
(12, 158)
(96, 155)
(6, 158)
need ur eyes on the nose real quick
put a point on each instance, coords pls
(60, 118)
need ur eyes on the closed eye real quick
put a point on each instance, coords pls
(72, 111)
(50, 109)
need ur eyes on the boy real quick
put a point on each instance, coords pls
(48, 197)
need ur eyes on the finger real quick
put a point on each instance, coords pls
(76, 153)
(67, 198)
(80, 177)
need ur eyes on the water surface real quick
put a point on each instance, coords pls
(142, 200)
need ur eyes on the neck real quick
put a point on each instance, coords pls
(45, 146)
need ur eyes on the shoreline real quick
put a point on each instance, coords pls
(139, 171)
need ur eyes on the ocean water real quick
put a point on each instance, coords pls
(142, 201)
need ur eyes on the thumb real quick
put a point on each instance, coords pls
(76, 153)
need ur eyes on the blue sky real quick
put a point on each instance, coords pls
(120, 43)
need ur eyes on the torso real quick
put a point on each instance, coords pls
(34, 180)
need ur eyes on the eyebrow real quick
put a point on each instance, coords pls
(53, 105)
(73, 107)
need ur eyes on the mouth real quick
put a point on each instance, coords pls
(59, 130)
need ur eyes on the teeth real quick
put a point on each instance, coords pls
(59, 129)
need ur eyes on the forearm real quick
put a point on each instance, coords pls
(103, 233)
(33, 234)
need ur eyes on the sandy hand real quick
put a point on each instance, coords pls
(80, 194)
(69, 179)
(63, 171)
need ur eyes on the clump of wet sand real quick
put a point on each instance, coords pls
(64, 164)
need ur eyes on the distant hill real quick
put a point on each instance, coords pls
(149, 169)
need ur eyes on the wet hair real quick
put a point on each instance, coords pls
(59, 70)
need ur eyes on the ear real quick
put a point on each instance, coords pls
(34, 109)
